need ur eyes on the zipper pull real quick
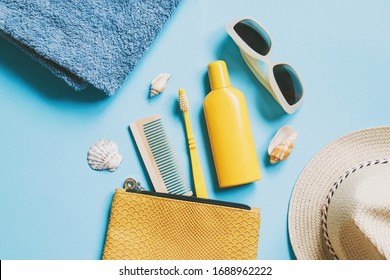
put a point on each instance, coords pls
(132, 184)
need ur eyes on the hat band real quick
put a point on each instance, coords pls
(331, 193)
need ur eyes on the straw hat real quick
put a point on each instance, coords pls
(340, 205)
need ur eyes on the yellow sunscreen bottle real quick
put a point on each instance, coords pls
(229, 130)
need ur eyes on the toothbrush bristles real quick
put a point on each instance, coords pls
(183, 101)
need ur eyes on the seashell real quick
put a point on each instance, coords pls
(282, 144)
(104, 155)
(158, 84)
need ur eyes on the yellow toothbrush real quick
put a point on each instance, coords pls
(200, 187)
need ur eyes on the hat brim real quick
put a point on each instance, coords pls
(318, 177)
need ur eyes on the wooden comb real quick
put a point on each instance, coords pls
(158, 156)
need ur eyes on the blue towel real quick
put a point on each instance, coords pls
(96, 42)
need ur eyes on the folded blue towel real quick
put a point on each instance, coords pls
(95, 42)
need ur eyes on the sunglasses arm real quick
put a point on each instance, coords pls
(254, 66)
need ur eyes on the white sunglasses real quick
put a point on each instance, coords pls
(280, 79)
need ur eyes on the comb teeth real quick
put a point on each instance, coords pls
(183, 101)
(159, 157)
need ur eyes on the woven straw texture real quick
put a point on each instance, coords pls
(358, 220)
(318, 177)
(148, 227)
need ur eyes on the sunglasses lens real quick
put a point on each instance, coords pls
(288, 82)
(254, 36)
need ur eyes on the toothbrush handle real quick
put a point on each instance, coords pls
(200, 186)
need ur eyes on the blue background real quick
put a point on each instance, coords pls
(54, 206)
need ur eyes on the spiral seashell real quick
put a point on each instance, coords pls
(104, 155)
(282, 144)
(158, 84)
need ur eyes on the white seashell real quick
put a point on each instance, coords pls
(104, 155)
(282, 144)
(159, 83)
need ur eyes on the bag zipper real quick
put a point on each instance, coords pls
(191, 199)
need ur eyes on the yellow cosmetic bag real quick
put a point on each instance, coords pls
(147, 225)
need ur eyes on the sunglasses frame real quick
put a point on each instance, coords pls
(252, 58)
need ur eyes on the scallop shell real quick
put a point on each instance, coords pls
(158, 84)
(282, 144)
(104, 155)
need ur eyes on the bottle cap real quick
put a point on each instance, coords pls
(218, 75)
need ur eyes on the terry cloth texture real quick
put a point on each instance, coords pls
(95, 42)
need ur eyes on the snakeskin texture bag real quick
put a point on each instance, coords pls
(148, 225)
